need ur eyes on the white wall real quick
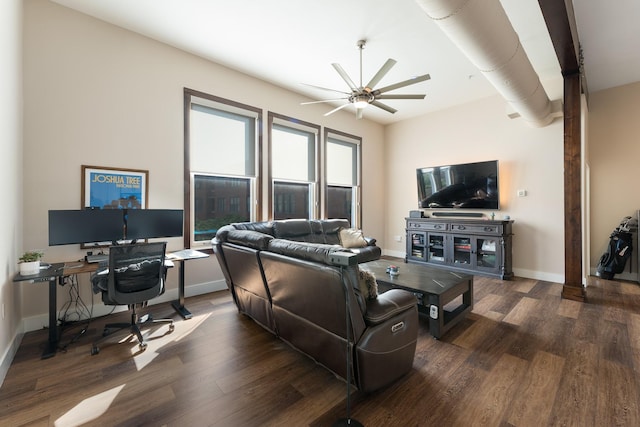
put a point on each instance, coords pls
(10, 176)
(614, 151)
(96, 94)
(529, 158)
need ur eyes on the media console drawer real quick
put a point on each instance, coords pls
(439, 226)
(477, 228)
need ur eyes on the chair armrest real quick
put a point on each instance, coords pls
(388, 305)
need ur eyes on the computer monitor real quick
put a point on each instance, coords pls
(67, 227)
(153, 223)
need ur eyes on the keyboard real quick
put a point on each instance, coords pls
(99, 258)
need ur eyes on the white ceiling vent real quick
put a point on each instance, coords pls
(483, 32)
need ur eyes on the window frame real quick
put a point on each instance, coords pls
(286, 121)
(189, 175)
(346, 138)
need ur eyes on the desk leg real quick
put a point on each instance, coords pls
(179, 305)
(52, 344)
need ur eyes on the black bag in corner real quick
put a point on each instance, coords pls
(618, 252)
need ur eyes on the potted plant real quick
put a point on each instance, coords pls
(29, 262)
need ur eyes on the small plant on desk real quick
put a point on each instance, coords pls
(29, 262)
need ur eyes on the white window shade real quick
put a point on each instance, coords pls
(221, 142)
(293, 154)
(342, 163)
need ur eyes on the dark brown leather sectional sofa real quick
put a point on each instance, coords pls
(283, 275)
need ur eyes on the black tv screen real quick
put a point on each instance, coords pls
(461, 186)
(153, 223)
(67, 227)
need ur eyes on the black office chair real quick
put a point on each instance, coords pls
(135, 275)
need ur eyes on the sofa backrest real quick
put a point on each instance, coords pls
(308, 300)
(247, 282)
(299, 230)
(331, 228)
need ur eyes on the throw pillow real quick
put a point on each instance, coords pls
(351, 238)
(367, 284)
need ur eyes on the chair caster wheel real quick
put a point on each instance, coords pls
(142, 345)
(171, 327)
(95, 350)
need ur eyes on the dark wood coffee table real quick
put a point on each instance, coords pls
(434, 288)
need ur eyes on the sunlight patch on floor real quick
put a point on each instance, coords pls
(89, 409)
(159, 337)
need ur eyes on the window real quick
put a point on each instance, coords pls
(293, 161)
(342, 156)
(222, 168)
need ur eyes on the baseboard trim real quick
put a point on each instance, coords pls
(9, 354)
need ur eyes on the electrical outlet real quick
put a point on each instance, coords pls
(398, 238)
(522, 193)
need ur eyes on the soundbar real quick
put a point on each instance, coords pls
(459, 214)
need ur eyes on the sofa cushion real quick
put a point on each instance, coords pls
(292, 229)
(317, 252)
(351, 238)
(265, 227)
(330, 229)
(249, 238)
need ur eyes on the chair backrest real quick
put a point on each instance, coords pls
(136, 273)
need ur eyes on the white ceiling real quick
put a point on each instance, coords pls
(291, 42)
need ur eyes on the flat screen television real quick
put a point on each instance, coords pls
(460, 186)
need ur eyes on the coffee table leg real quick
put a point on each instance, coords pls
(436, 316)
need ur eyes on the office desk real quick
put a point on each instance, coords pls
(181, 257)
(57, 271)
(50, 275)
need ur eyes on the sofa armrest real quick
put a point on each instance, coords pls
(389, 304)
(367, 253)
(371, 241)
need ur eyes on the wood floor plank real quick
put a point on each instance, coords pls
(489, 407)
(522, 357)
(536, 394)
(617, 395)
(569, 308)
(576, 399)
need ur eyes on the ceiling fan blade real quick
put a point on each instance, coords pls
(381, 73)
(336, 109)
(324, 100)
(345, 76)
(384, 107)
(402, 84)
(400, 96)
(359, 112)
(326, 88)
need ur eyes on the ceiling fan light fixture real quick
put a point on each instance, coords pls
(361, 101)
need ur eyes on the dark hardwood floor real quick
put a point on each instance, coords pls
(523, 357)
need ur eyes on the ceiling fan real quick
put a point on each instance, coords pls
(361, 96)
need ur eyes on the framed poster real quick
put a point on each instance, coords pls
(110, 188)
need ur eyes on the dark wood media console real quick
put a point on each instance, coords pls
(472, 246)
